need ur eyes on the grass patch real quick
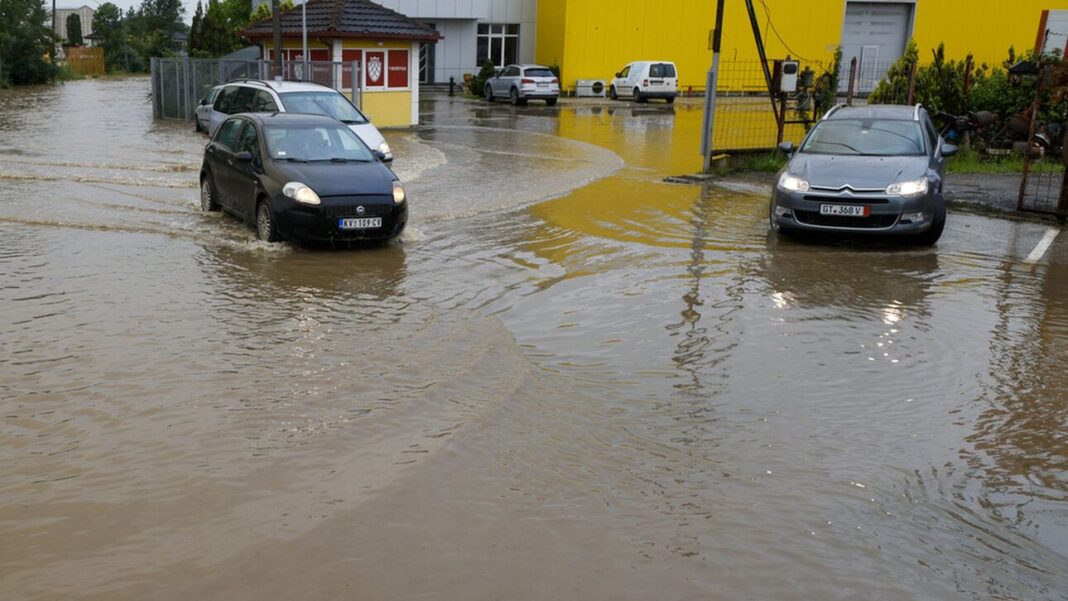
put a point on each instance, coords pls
(974, 162)
(755, 162)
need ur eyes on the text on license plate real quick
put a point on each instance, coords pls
(543, 84)
(361, 223)
(845, 210)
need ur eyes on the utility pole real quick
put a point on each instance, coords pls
(708, 124)
(52, 48)
(276, 20)
(304, 39)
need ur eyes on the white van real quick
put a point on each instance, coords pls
(643, 80)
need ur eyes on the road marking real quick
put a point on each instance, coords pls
(1043, 245)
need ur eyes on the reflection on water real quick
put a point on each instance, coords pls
(629, 390)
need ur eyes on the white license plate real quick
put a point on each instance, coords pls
(362, 223)
(543, 85)
(845, 210)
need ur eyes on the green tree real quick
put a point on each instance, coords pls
(26, 37)
(109, 26)
(263, 11)
(194, 42)
(74, 30)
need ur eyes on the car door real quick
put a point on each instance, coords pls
(244, 175)
(220, 110)
(220, 156)
(634, 77)
(620, 80)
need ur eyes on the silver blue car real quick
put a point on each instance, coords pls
(874, 170)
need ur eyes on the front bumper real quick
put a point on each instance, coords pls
(800, 211)
(321, 223)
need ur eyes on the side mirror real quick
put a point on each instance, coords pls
(203, 101)
(948, 150)
(619, 74)
(244, 156)
(787, 148)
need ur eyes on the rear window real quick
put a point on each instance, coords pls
(538, 73)
(662, 70)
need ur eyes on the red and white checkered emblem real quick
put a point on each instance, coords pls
(374, 70)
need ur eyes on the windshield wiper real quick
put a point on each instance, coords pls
(352, 121)
(291, 159)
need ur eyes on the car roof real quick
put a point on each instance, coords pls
(304, 119)
(526, 66)
(875, 111)
(282, 86)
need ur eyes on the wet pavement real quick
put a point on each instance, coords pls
(570, 380)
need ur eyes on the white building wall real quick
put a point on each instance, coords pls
(457, 21)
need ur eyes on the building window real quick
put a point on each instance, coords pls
(498, 42)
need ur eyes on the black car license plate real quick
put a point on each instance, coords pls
(361, 223)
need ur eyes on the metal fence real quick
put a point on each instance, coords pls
(178, 84)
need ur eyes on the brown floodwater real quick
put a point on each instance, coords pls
(569, 379)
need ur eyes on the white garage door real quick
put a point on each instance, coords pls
(875, 33)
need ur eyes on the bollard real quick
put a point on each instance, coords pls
(452, 84)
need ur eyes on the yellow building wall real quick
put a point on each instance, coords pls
(388, 109)
(601, 36)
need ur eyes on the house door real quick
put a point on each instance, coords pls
(426, 60)
(875, 33)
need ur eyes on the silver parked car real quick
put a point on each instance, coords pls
(202, 115)
(520, 83)
(873, 170)
(256, 96)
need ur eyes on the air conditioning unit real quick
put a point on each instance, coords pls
(590, 88)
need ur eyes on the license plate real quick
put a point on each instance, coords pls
(543, 85)
(845, 210)
(362, 223)
(657, 82)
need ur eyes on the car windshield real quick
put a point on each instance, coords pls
(331, 104)
(538, 73)
(315, 143)
(868, 137)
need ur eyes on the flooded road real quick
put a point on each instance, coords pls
(569, 380)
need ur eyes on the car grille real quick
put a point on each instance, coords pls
(849, 200)
(873, 222)
(369, 210)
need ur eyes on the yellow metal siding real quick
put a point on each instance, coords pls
(388, 109)
(600, 36)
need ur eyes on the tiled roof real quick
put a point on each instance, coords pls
(346, 19)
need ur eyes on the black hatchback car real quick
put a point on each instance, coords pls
(298, 177)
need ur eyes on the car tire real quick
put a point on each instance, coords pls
(513, 96)
(638, 95)
(197, 126)
(489, 93)
(266, 227)
(938, 225)
(612, 93)
(550, 102)
(208, 198)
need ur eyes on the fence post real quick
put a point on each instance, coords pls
(852, 81)
(155, 87)
(912, 84)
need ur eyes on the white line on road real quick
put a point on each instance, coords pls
(1043, 245)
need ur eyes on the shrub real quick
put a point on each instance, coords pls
(478, 82)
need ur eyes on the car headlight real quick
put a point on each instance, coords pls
(908, 188)
(398, 192)
(792, 184)
(384, 148)
(301, 193)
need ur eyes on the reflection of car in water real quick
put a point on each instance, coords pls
(301, 177)
(254, 96)
(872, 170)
(880, 279)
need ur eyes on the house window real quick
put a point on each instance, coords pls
(498, 42)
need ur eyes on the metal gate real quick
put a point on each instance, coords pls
(178, 84)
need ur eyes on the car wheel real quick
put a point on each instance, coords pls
(638, 95)
(208, 201)
(938, 224)
(196, 124)
(489, 93)
(612, 93)
(266, 228)
(550, 102)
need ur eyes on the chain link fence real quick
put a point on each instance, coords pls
(178, 84)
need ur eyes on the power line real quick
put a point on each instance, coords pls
(767, 13)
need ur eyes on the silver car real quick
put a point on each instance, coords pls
(872, 170)
(256, 96)
(520, 83)
(202, 115)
